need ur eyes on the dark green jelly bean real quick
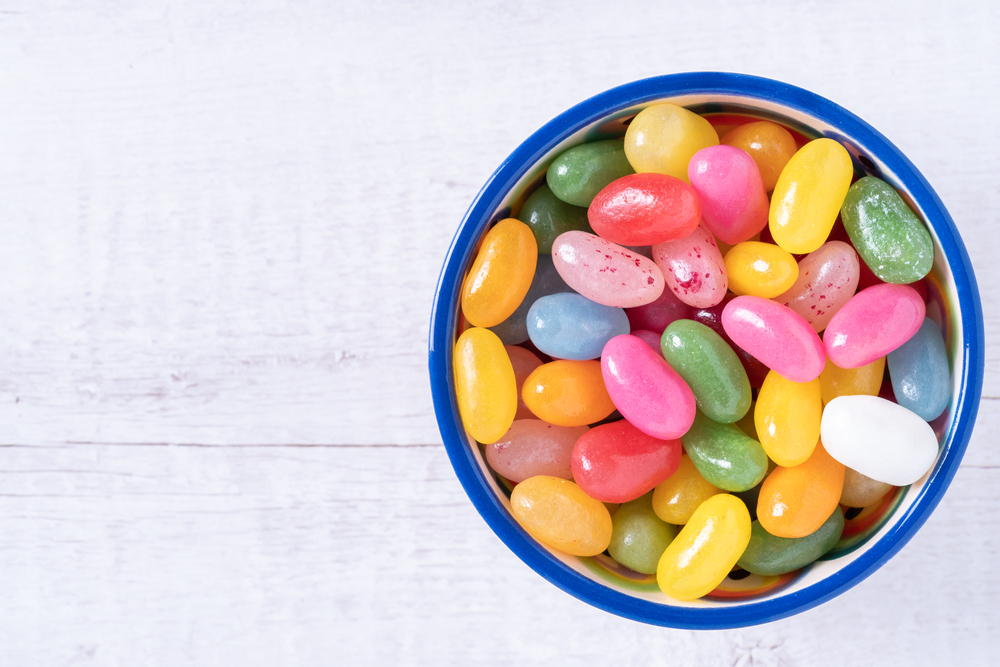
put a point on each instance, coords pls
(890, 238)
(724, 455)
(580, 173)
(548, 217)
(768, 555)
(710, 367)
(640, 537)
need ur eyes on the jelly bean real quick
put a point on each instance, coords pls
(639, 537)
(645, 389)
(531, 447)
(861, 490)
(787, 417)
(657, 315)
(734, 203)
(768, 555)
(523, 362)
(712, 318)
(710, 368)
(827, 280)
(706, 549)
(889, 236)
(863, 380)
(664, 137)
(872, 324)
(485, 386)
(514, 329)
(770, 145)
(676, 499)
(809, 194)
(724, 455)
(796, 501)
(746, 422)
(650, 338)
(879, 438)
(760, 269)
(577, 175)
(693, 268)
(571, 326)
(567, 393)
(921, 379)
(605, 272)
(556, 512)
(548, 217)
(617, 462)
(776, 335)
(501, 275)
(645, 209)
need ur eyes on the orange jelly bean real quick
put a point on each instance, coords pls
(567, 393)
(794, 502)
(485, 386)
(557, 512)
(501, 275)
(770, 145)
(863, 381)
(677, 497)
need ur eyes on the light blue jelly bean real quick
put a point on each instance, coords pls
(514, 330)
(570, 326)
(919, 370)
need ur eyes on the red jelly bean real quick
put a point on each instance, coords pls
(645, 209)
(616, 462)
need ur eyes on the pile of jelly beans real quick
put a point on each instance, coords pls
(676, 354)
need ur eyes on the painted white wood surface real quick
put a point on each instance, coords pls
(222, 227)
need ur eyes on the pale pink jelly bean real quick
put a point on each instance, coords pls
(873, 323)
(532, 447)
(524, 362)
(693, 268)
(775, 335)
(828, 278)
(734, 203)
(605, 272)
(645, 389)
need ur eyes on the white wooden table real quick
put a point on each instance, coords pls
(221, 233)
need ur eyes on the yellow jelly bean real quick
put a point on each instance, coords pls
(706, 549)
(787, 417)
(678, 496)
(760, 269)
(863, 381)
(557, 512)
(664, 137)
(501, 275)
(485, 386)
(809, 194)
(567, 393)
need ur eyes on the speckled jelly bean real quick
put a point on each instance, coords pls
(712, 318)
(693, 268)
(706, 549)
(677, 497)
(571, 326)
(861, 381)
(768, 555)
(658, 315)
(760, 269)
(514, 329)
(861, 490)
(645, 389)
(872, 324)
(605, 272)
(639, 537)
(644, 209)
(724, 454)
(809, 194)
(567, 393)
(889, 236)
(664, 137)
(794, 502)
(577, 175)
(617, 462)
(921, 379)
(501, 274)
(532, 447)
(776, 335)
(523, 362)
(548, 217)
(770, 145)
(734, 203)
(828, 278)
(485, 386)
(787, 416)
(556, 512)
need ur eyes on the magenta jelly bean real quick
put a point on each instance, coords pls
(657, 315)
(693, 268)
(617, 463)
(776, 335)
(734, 203)
(643, 209)
(828, 278)
(606, 272)
(876, 321)
(645, 389)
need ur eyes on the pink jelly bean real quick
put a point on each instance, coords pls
(532, 447)
(693, 268)
(734, 203)
(775, 335)
(645, 389)
(658, 315)
(643, 209)
(873, 323)
(606, 272)
(650, 338)
(828, 278)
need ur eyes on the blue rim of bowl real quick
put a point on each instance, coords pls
(444, 326)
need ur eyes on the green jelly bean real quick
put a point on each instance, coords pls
(640, 537)
(724, 455)
(710, 367)
(890, 238)
(580, 173)
(548, 217)
(768, 555)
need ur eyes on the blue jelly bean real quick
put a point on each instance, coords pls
(570, 326)
(514, 330)
(919, 370)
